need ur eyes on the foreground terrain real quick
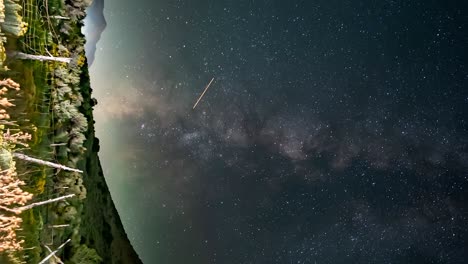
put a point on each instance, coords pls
(48, 148)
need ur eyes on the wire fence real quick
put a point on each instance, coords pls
(38, 39)
(40, 28)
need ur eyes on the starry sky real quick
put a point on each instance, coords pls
(334, 131)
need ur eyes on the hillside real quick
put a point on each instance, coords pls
(53, 191)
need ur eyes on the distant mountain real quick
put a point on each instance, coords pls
(95, 23)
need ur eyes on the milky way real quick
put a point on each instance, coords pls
(334, 131)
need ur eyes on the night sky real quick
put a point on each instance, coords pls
(334, 131)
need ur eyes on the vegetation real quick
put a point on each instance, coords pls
(85, 255)
(42, 51)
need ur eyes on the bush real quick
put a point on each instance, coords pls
(13, 23)
(85, 255)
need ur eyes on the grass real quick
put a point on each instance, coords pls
(55, 106)
(33, 112)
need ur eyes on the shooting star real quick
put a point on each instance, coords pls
(201, 96)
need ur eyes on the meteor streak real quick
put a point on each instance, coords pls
(201, 96)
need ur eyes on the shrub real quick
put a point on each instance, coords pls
(85, 255)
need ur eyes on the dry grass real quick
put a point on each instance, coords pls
(11, 194)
